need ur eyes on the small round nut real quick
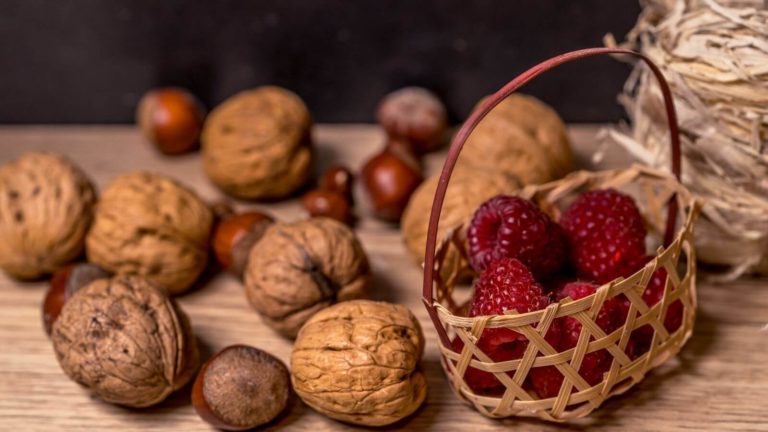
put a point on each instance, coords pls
(338, 179)
(151, 225)
(171, 118)
(416, 115)
(46, 207)
(125, 341)
(358, 361)
(326, 203)
(235, 235)
(241, 387)
(64, 283)
(300, 268)
(257, 144)
(389, 178)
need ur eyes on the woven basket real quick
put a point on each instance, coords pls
(669, 210)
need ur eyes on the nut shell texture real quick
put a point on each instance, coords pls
(358, 362)
(257, 144)
(126, 341)
(150, 225)
(46, 207)
(298, 269)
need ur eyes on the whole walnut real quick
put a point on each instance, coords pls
(151, 225)
(300, 268)
(46, 207)
(467, 189)
(257, 144)
(126, 341)
(357, 362)
(522, 137)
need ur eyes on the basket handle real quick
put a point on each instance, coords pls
(485, 107)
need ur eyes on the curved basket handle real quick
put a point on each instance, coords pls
(485, 107)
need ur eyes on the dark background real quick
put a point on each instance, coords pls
(89, 61)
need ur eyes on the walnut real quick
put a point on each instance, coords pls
(300, 268)
(257, 144)
(46, 207)
(126, 341)
(150, 225)
(358, 362)
(522, 137)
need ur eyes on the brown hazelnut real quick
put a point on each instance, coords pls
(171, 118)
(389, 178)
(241, 387)
(338, 179)
(326, 203)
(222, 209)
(64, 283)
(235, 235)
(416, 115)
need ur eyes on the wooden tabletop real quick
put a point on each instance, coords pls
(719, 382)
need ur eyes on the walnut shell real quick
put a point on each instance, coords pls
(46, 207)
(257, 144)
(358, 362)
(150, 225)
(522, 137)
(300, 268)
(126, 341)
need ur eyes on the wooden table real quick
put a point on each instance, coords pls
(719, 382)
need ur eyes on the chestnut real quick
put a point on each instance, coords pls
(233, 237)
(222, 209)
(338, 179)
(241, 387)
(416, 115)
(389, 178)
(171, 118)
(327, 203)
(64, 283)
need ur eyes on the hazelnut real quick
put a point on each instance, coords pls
(171, 118)
(321, 202)
(64, 283)
(416, 115)
(300, 268)
(235, 235)
(222, 209)
(126, 341)
(241, 387)
(338, 179)
(389, 178)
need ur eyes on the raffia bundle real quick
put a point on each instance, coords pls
(715, 57)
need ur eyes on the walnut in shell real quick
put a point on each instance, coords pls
(300, 268)
(126, 341)
(151, 225)
(357, 362)
(257, 144)
(522, 137)
(46, 207)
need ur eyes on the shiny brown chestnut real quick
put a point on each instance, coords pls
(64, 283)
(327, 203)
(338, 179)
(234, 235)
(389, 178)
(241, 387)
(171, 118)
(416, 115)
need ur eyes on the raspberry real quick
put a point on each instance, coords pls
(546, 381)
(513, 227)
(606, 234)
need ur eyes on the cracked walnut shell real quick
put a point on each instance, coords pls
(357, 362)
(126, 341)
(46, 207)
(151, 225)
(257, 144)
(300, 268)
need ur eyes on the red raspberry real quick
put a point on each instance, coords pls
(513, 227)
(546, 381)
(606, 234)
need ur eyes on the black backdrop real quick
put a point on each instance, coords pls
(90, 60)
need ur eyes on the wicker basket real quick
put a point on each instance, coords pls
(659, 195)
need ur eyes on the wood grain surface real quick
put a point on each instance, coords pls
(719, 382)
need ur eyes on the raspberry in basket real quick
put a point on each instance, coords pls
(513, 227)
(606, 234)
